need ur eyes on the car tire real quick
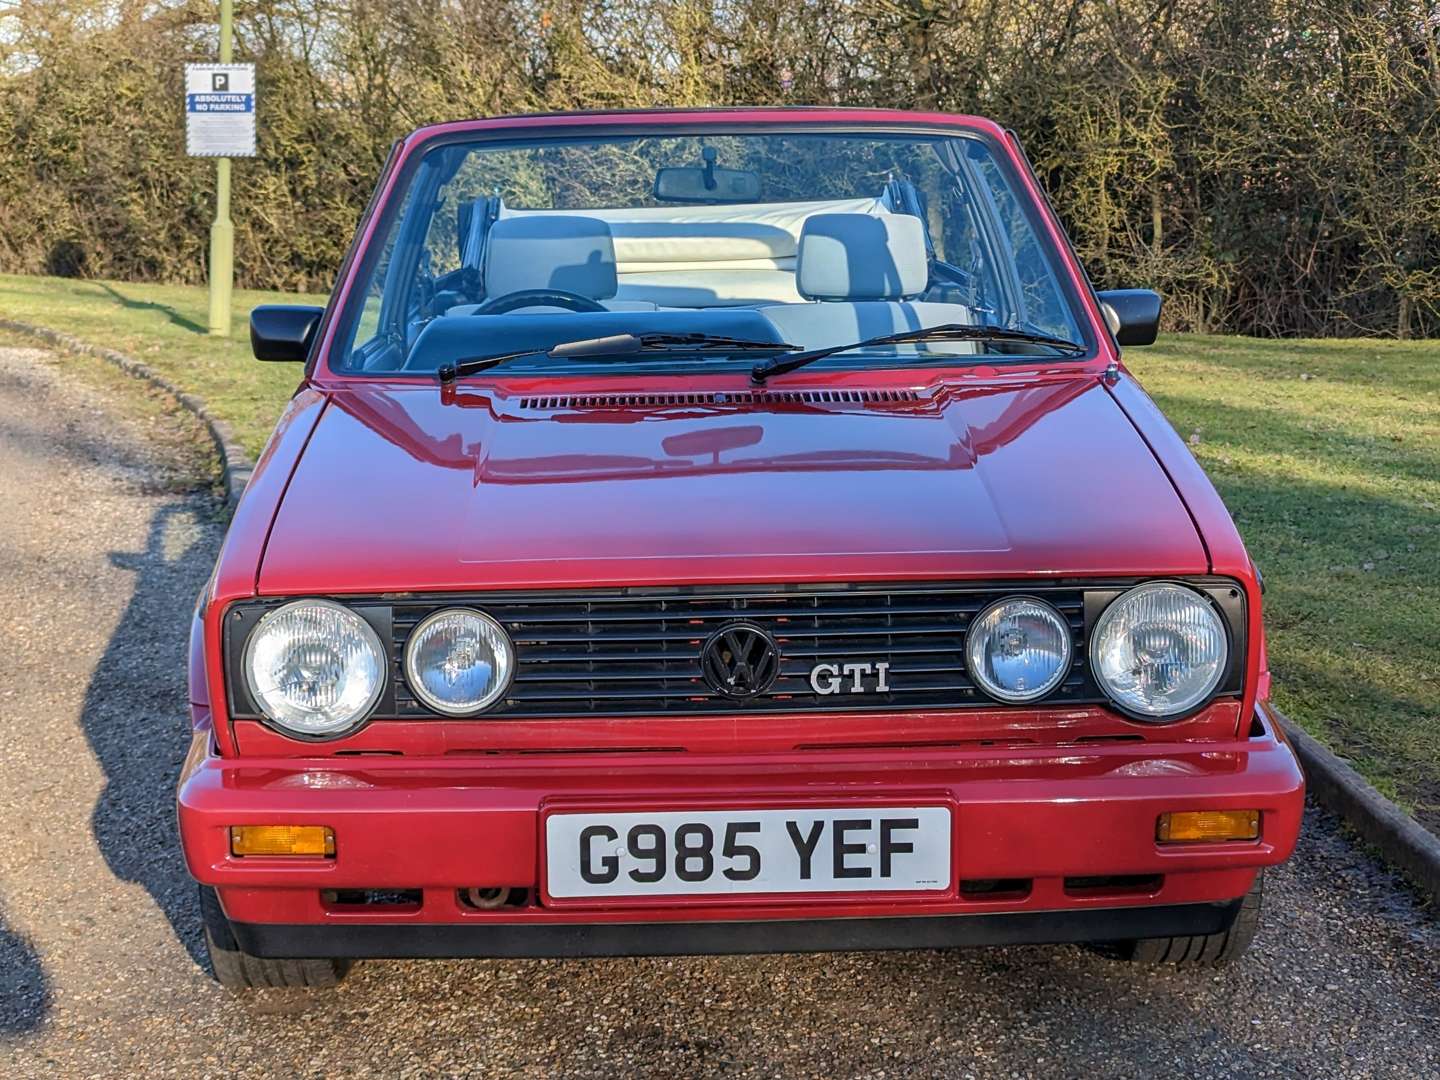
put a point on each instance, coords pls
(236, 969)
(1204, 950)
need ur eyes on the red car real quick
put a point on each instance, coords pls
(716, 532)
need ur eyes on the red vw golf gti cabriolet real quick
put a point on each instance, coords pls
(724, 531)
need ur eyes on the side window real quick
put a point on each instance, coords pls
(960, 245)
(949, 213)
(1043, 306)
(367, 329)
(372, 345)
(443, 242)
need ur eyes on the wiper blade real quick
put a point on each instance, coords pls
(616, 345)
(945, 332)
(635, 344)
(448, 373)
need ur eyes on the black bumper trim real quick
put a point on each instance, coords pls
(494, 939)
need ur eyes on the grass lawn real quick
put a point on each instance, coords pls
(1328, 455)
(1327, 452)
(164, 326)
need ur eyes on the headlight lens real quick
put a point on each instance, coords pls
(459, 661)
(1018, 649)
(1159, 650)
(314, 667)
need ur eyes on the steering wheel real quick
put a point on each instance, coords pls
(498, 305)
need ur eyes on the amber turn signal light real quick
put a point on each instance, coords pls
(316, 841)
(1192, 826)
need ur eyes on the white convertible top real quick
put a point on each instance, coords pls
(701, 256)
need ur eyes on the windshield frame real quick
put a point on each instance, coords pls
(393, 195)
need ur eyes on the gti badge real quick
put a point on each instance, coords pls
(849, 678)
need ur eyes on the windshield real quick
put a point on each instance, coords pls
(810, 240)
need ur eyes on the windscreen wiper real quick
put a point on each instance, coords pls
(945, 332)
(633, 344)
(616, 345)
(448, 373)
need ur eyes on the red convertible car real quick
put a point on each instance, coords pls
(717, 532)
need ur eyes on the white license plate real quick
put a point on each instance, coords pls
(670, 853)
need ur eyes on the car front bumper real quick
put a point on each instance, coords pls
(1068, 832)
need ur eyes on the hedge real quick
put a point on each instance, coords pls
(1272, 167)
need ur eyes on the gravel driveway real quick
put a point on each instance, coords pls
(103, 546)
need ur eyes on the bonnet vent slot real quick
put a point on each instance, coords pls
(723, 399)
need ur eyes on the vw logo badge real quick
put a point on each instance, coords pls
(740, 660)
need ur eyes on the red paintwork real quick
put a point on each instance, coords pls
(1077, 726)
(1057, 469)
(970, 483)
(1032, 812)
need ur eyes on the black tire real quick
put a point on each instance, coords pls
(1204, 950)
(238, 970)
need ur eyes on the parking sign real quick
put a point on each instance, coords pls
(220, 110)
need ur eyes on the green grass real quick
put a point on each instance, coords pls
(1327, 452)
(1328, 455)
(164, 326)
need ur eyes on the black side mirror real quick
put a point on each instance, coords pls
(283, 331)
(1133, 315)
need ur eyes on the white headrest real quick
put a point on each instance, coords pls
(544, 251)
(861, 257)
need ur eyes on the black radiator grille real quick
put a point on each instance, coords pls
(637, 652)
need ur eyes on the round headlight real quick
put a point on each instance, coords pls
(1159, 650)
(314, 667)
(1018, 649)
(459, 661)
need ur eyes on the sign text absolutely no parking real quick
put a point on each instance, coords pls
(220, 110)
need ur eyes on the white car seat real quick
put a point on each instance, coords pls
(859, 272)
(567, 252)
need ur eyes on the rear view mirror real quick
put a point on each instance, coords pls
(283, 331)
(1133, 315)
(702, 185)
(708, 183)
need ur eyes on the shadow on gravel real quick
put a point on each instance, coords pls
(24, 989)
(136, 717)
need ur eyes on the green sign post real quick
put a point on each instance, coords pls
(220, 124)
(222, 229)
